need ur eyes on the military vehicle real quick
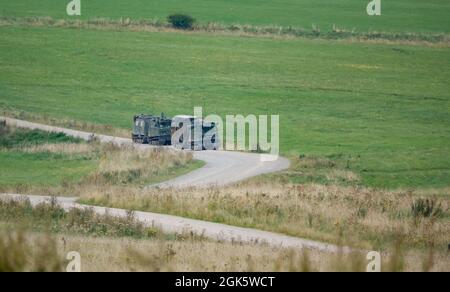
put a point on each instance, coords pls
(149, 129)
(183, 135)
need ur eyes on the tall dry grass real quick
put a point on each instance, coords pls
(200, 255)
(30, 251)
(63, 148)
(107, 243)
(21, 253)
(356, 216)
(127, 165)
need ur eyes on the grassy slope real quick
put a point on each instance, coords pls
(385, 107)
(41, 169)
(398, 16)
(38, 168)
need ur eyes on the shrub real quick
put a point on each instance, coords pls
(11, 137)
(426, 208)
(181, 21)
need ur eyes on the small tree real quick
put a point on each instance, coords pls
(181, 21)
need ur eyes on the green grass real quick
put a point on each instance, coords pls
(42, 168)
(397, 16)
(384, 108)
(18, 168)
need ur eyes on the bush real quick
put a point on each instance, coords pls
(181, 21)
(426, 208)
(11, 137)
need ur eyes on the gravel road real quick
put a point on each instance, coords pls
(221, 167)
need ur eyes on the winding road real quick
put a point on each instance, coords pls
(221, 168)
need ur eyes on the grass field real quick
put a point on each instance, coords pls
(18, 167)
(41, 169)
(397, 16)
(381, 110)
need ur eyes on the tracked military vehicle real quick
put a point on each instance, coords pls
(149, 129)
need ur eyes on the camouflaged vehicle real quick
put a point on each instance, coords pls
(149, 129)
